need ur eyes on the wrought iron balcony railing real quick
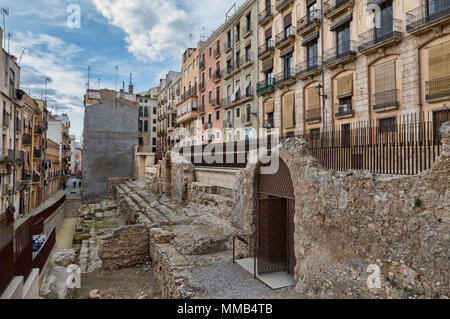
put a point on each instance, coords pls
(266, 86)
(308, 66)
(285, 76)
(227, 46)
(201, 86)
(217, 75)
(432, 11)
(333, 7)
(266, 47)
(310, 20)
(288, 33)
(282, 4)
(216, 53)
(376, 36)
(438, 88)
(344, 110)
(265, 15)
(343, 50)
(385, 100)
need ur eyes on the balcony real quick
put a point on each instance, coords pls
(26, 140)
(207, 126)
(333, 8)
(267, 49)
(269, 124)
(38, 130)
(265, 87)
(344, 110)
(385, 101)
(238, 98)
(266, 15)
(19, 156)
(307, 68)
(216, 53)
(421, 19)
(18, 125)
(201, 86)
(247, 31)
(201, 65)
(201, 110)
(192, 91)
(188, 116)
(227, 47)
(217, 76)
(309, 23)
(313, 114)
(437, 89)
(386, 36)
(228, 71)
(287, 77)
(343, 53)
(283, 4)
(227, 124)
(216, 102)
(285, 37)
(36, 178)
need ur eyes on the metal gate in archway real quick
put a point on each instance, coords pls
(275, 222)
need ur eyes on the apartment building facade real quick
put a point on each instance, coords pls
(52, 168)
(370, 74)
(167, 111)
(210, 88)
(148, 103)
(187, 108)
(240, 104)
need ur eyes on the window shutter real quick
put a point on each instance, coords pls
(269, 33)
(267, 66)
(385, 78)
(345, 86)
(288, 111)
(439, 61)
(313, 98)
(269, 106)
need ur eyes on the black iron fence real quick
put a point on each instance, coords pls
(405, 145)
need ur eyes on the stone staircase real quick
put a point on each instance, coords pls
(181, 238)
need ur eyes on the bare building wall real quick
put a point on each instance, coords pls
(110, 136)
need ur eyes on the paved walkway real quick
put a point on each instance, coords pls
(71, 190)
(64, 235)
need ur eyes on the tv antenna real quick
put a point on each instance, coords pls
(5, 13)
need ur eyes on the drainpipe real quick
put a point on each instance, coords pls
(14, 158)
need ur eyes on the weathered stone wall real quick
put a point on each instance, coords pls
(111, 185)
(345, 222)
(125, 247)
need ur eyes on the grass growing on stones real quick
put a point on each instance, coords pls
(417, 202)
(104, 224)
(164, 204)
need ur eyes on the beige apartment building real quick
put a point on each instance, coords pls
(241, 72)
(381, 59)
(187, 108)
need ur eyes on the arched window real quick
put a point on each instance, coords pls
(145, 126)
(146, 111)
(140, 111)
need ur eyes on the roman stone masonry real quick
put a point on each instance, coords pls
(345, 222)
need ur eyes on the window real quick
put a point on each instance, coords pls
(238, 112)
(141, 141)
(312, 53)
(140, 111)
(203, 120)
(343, 39)
(312, 11)
(210, 73)
(154, 121)
(217, 115)
(345, 135)
(387, 125)
(154, 110)
(146, 111)
(209, 97)
(238, 32)
(288, 66)
(248, 113)
(218, 95)
(145, 126)
(154, 141)
(140, 126)
(209, 118)
(248, 21)
(154, 128)
(210, 51)
(385, 85)
(248, 53)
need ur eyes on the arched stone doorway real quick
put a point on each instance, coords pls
(275, 222)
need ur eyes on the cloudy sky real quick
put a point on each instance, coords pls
(143, 37)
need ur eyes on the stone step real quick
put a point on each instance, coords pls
(156, 217)
(130, 185)
(175, 217)
(125, 187)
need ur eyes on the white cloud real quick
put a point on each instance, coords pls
(159, 29)
(49, 57)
